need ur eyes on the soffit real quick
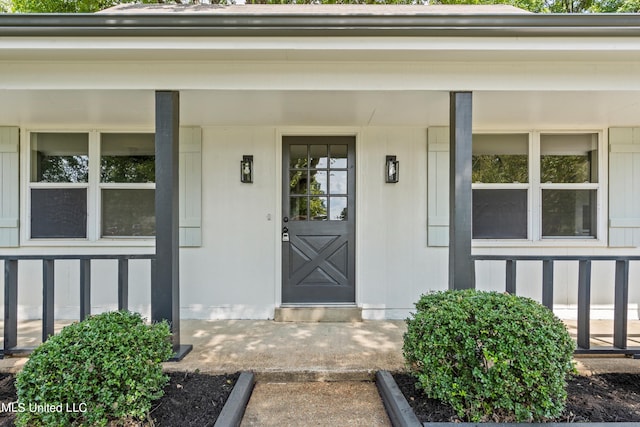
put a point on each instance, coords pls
(134, 109)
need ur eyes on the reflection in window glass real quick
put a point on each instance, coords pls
(500, 158)
(318, 182)
(318, 208)
(59, 157)
(298, 208)
(297, 156)
(338, 211)
(338, 182)
(500, 214)
(569, 213)
(298, 182)
(318, 156)
(338, 156)
(127, 157)
(569, 158)
(128, 212)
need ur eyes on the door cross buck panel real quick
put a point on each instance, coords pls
(319, 260)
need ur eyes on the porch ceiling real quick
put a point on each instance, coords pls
(492, 110)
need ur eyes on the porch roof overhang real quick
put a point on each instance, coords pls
(316, 20)
(261, 64)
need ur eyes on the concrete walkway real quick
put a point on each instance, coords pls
(313, 373)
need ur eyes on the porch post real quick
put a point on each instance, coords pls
(461, 267)
(165, 286)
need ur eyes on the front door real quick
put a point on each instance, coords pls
(318, 224)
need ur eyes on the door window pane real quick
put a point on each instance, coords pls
(338, 182)
(128, 212)
(59, 157)
(298, 182)
(127, 157)
(318, 208)
(499, 214)
(297, 156)
(569, 213)
(338, 156)
(298, 208)
(318, 156)
(338, 211)
(570, 158)
(59, 213)
(500, 158)
(313, 184)
(318, 182)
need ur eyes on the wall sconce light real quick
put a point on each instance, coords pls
(246, 169)
(391, 169)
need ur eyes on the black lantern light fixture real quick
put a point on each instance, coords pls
(391, 169)
(246, 169)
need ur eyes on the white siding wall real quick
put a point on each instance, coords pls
(233, 274)
(394, 263)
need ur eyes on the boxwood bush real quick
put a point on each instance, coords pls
(107, 367)
(492, 356)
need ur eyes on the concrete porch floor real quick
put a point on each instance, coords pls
(314, 351)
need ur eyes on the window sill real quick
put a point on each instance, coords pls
(85, 243)
(544, 243)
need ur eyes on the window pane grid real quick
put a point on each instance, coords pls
(318, 182)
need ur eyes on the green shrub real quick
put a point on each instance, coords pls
(492, 356)
(107, 367)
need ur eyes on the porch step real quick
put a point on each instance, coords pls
(318, 314)
(315, 374)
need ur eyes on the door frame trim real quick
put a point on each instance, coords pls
(281, 132)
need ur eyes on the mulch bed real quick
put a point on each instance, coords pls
(190, 399)
(598, 398)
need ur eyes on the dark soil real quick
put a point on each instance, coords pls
(190, 400)
(598, 398)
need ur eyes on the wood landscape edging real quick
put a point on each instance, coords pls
(234, 408)
(401, 414)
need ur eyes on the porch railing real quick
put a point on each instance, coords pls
(621, 295)
(48, 291)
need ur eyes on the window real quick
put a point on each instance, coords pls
(127, 174)
(569, 177)
(91, 185)
(59, 184)
(500, 173)
(535, 186)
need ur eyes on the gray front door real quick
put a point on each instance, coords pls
(318, 224)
